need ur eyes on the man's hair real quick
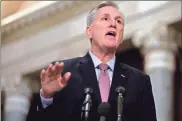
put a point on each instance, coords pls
(93, 11)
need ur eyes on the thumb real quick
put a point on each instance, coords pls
(66, 77)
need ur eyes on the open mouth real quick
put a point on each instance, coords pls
(111, 33)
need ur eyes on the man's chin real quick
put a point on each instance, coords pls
(112, 47)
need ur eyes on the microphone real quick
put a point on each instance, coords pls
(87, 102)
(120, 99)
(103, 110)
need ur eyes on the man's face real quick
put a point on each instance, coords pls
(106, 29)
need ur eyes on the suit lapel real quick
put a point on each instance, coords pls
(120, 77)
(88, 75)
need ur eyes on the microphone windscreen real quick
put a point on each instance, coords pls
(104, 108)
(88, 90)
(120, 89)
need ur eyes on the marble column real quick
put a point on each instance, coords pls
(158, 46)
(17, 99)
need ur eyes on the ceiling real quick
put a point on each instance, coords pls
(11, 7)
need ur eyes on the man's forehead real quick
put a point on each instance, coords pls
(108, 10)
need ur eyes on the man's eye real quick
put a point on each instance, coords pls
(105, 18)
(119, 21)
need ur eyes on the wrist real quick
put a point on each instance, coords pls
(44, 94)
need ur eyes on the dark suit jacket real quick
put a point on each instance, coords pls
(138, 99)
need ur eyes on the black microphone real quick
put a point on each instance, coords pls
(87, 102)
(103, 110)
(120, 90)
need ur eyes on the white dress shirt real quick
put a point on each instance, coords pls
(96, 61)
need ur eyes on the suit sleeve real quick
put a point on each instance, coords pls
(37, 112)
(45, 102)
(147, 111)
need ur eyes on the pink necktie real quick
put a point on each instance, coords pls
(104, 82)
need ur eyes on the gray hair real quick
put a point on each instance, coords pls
(93, 11)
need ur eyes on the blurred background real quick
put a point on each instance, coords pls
(35, 33)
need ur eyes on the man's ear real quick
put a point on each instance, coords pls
(88, 32)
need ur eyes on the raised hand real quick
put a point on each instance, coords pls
(52, 79)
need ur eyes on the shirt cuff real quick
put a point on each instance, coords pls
(45, 101)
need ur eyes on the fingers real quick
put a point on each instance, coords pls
(53, 72)
(59, 67)
(56, 69)
(42, 75)
(49, 70)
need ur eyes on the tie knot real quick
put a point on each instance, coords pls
(103, 67)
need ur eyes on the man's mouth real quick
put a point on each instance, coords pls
(111, 33)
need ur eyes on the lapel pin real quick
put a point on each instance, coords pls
(123, 75)
(37, 108)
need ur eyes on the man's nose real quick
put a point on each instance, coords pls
(112, 23)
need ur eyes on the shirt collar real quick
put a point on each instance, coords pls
(97, 62)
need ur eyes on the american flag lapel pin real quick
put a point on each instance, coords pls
(123, 75)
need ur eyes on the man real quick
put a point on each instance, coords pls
(63, 83)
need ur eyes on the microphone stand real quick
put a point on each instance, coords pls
(120, 99)
(120, 106)
(86, 104)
